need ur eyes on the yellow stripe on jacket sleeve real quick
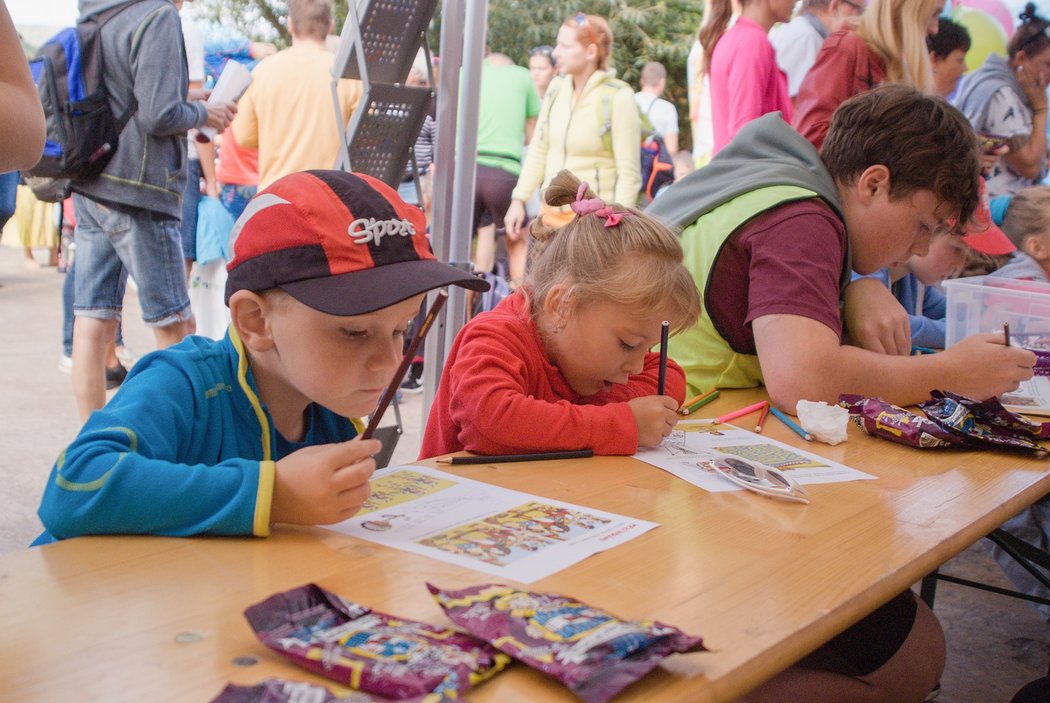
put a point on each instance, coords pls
(264, 499)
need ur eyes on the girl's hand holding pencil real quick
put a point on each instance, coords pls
(654, 416)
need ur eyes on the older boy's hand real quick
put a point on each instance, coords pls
(874, 319)
(324, 484)
(655, 416)
(982, 366)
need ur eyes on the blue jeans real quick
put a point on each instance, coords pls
(8, 188)
(111, 244)
(191, 197)
(67, 314)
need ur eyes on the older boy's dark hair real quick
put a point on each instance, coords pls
(924, 142)
(949, 37)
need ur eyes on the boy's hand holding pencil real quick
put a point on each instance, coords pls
(324, 484)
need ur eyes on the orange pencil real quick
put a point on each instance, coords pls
(733, 414)
(762, 419)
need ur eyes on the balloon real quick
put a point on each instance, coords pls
(994, 9)
(986, 36)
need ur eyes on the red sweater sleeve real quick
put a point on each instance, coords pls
(499, 394)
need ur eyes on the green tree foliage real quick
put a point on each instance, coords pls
(643, 30)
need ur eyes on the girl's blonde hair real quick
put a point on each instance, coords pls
(636, 264)
(1028, 215)
(896, 31)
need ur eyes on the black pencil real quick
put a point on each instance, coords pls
(665, 328)
(399, 375)
(505, 458)
(1006, 333)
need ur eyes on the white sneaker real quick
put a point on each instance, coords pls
(126, 356)
(65, 364)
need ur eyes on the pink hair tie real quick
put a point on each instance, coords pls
(585, 206)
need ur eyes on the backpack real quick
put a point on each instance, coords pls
(81, 130)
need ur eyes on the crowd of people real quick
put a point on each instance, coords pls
(848, 165)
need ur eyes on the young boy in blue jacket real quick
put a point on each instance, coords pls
(228, 437)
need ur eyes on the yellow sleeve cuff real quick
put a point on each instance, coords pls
(264, 499)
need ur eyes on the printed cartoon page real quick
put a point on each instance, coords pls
(484, 527)
(682, 453)
(1032, 397)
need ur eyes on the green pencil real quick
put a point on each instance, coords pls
(713, 395)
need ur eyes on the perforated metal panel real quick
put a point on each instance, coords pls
(384, 128)
(392, 32)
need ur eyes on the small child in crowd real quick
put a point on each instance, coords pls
(227, 437)
(1027, 224)
(564, 362)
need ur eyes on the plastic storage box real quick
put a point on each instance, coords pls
(984, 303)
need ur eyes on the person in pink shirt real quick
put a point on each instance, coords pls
(741, 65)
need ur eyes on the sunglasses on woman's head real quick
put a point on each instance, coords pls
(582, 23)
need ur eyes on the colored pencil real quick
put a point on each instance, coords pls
(700, 402)
(916, 349)
(762, 418)
(695, 398)
(733, 414)
(497, 459)
(1006, 333)
(665, 328)
(792, 425)
(406, 361)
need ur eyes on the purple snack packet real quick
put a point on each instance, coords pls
(592, 652)
(371, 651)
(888, 421)
(984, 421)
(281, 691)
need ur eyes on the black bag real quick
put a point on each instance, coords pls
(82, 132)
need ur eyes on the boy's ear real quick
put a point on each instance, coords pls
(872, 183)
(250, 316)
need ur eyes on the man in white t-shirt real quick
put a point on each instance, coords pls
(797, 42)
(660, 113)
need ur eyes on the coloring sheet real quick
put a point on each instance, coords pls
(1032, 397)
(484, 527)
(682, 454)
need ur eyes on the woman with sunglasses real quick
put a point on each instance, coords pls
(543, 68)
(588, 124)
(1006, 98)
(741, 65)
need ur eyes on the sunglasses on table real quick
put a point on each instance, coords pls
(757, 477)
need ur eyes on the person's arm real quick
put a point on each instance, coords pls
(874, 319)
(494, 405)
(21, 115)
(535, 164)
(1027, 155)
(350, 91)
(134, 469)
(530, 127)
(626, 142)
(803, 360)
(162, 106)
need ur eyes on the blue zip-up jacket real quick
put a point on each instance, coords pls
(184, 448)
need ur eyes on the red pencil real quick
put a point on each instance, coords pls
(762, 419)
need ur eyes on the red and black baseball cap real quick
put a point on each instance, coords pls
(342, 243)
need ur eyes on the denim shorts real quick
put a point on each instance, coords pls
(191, 198)
(112, 243)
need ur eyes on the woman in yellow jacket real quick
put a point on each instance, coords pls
(589, 124)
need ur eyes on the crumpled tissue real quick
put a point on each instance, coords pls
(825, 422)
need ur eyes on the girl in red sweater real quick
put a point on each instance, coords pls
(564, 363)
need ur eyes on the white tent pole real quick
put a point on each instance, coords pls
(462, 46)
